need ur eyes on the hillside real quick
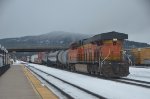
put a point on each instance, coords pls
(57, 38)
(133, 44)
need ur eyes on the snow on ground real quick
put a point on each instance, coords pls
(17, 62)
(76, 93)
(109, 89)
(139, 74)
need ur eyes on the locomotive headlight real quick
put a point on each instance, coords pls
(114, 39)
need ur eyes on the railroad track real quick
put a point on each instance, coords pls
(138, 83)
(131, 82)
(134, 82)
(85, 93)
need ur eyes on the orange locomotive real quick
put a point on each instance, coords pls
(101, 54)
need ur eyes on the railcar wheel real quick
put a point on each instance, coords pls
(89, 69)
(72, 68)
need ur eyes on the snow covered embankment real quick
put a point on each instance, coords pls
(140, 74)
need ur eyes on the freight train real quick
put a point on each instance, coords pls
(140, 56)
(102, 54)
(4, 60)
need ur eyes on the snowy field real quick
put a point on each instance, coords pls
(109, 89)
(139, 74)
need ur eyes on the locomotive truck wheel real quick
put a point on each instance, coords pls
(72, 68)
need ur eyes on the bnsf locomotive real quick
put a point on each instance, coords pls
(101, 54)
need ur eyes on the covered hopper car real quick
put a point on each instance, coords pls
(141, 56)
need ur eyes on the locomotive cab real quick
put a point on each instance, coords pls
(112, 61)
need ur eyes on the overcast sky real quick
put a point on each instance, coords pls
(33, 17)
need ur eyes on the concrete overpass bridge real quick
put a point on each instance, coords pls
(36, 49)
(40, 49)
